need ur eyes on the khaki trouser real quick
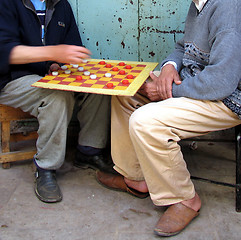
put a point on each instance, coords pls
(53, 110)
(145, 140)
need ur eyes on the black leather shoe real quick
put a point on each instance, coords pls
(95, 162)
(46, 186)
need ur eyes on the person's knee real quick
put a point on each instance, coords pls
(58, 103)
(138, 120)
(151, 117)
(63, 98)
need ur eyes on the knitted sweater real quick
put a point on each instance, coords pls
(208, 57)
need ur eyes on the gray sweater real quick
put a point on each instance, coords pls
(209, 55)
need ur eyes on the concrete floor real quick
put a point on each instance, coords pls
(90, 211)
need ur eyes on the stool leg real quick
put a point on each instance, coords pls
(238, 168)
(5, 131)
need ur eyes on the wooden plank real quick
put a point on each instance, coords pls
(5, 136)
(9, 113)
(20, 137)
(16, 156)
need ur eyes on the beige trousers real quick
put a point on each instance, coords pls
(145, 140)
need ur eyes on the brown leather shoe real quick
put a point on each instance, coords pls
(116, 182)
(174, 220)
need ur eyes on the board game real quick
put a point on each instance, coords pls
(111, 77)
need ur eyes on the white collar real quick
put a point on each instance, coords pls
(199, 4)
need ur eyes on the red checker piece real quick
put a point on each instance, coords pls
(125, 81)
(122, 72)
(108, 65)
(115, 69)
(102, 62)
(79, 78)
(130, 76)
(128, 67)
(110, 85)
(122, 64)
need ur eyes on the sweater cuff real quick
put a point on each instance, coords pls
(170, 62)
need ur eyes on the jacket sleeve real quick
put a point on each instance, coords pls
(9, 37)
(72, 36)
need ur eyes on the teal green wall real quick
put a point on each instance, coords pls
(135, 30)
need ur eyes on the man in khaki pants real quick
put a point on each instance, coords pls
(196, 92)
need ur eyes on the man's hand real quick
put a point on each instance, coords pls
(68, 53)
(58, 53)
(160, 87)
(149, 89)
(165, 80)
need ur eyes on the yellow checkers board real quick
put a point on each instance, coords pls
(110, 77)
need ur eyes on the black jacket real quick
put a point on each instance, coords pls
(20, 25)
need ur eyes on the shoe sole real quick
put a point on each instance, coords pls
(46, 200)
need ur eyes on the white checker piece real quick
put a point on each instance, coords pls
(93, 76)
(55, 73)
(67, 71)
(108, 75)
(64, 67)
(86, 73)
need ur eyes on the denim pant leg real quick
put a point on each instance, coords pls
(52, 108)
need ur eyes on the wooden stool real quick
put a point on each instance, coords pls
(8, 114)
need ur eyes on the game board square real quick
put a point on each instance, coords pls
(115, 79)
(123, 85)
(75, 83)
(90, 81)
(95, 68)
(69, 80)
(58, 78)
(105, 79)
(53, 82)
(43, 81)
(86, 85)
(101, 72)
(49, 77)
(120, 88)
(72, 76)
(65, 83)
(140, 65)
(135, 71)
(101, 82)
(97, 86)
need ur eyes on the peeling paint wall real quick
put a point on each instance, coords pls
(136, 30)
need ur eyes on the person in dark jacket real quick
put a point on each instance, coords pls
(36, 37)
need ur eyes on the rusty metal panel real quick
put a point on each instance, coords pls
(109, 28)
(136, 30)
(161, 23)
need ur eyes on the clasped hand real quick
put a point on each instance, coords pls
(159, 85)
